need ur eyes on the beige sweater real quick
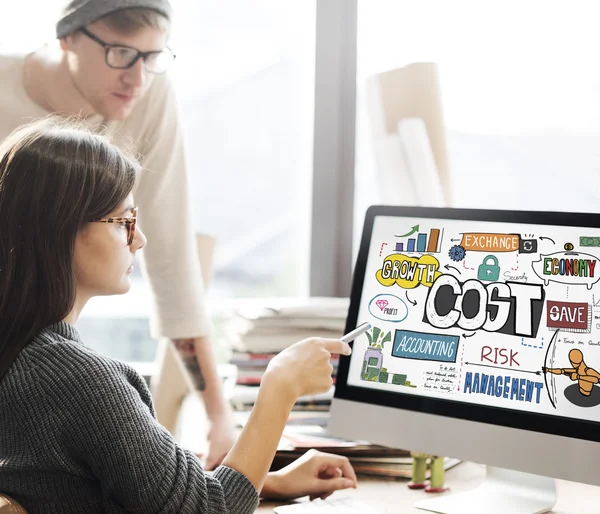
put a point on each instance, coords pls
(154, 133)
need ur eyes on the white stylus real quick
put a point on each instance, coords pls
(351, 336)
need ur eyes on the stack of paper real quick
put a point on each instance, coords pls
(269, 327)
(261, 329)
(244, 397)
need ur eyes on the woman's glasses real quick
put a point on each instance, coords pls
(129, 222)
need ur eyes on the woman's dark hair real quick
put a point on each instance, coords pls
(54, 178)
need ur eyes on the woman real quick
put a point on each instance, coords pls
(78, 431)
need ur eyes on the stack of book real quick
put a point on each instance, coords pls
(244, 397)
(261, 330)
(251, 367)
(304, 432)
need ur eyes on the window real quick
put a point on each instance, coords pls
(245, 78)
(520, 86)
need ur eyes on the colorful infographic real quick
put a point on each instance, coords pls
(489, 313)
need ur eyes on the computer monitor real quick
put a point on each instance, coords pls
(485, 346)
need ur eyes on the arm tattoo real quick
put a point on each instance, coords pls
(187, 351)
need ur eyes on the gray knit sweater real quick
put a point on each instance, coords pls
(78, 434)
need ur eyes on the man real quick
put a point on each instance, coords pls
(109, 70)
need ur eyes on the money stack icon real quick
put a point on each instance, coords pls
(589, 241)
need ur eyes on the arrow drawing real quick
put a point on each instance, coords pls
(469, 335)
(413, 230)
(447, 266)
(414, 303)
(548, 238)
(501, 367)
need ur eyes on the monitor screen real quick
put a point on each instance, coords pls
(481, 315)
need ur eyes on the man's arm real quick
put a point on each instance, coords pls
(187, 351)
(199, 361)
(171, 260)
(204, 376)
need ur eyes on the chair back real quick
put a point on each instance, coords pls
(10, 506)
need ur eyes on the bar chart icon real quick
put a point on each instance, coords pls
(423, 243)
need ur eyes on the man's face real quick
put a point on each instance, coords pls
(111, 92)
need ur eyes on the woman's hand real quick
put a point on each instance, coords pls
(315, 474)
(302, 369)
(305, 367)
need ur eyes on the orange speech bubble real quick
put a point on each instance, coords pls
(482, 242)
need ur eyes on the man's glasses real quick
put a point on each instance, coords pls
(124, 57)
(128, 222)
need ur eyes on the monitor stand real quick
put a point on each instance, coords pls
(501, 492)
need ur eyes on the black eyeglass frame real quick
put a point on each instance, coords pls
(144, 55)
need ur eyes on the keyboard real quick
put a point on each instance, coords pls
(345, 505)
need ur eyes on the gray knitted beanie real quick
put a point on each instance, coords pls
(78, 13)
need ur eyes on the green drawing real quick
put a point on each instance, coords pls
(489, 272)
(377, 338)
(398, 379)
(372, 369)
(383, 376)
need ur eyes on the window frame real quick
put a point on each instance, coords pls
(331, 253)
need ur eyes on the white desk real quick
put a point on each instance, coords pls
(392, 496)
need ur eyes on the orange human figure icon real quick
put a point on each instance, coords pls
(587, 377)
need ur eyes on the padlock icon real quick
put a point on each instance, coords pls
(489, 270)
